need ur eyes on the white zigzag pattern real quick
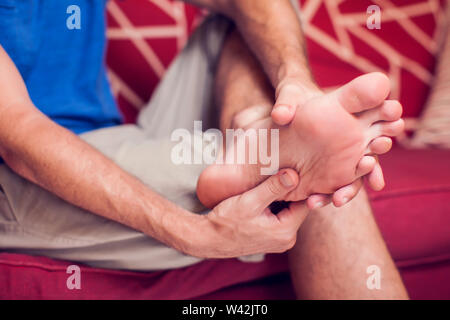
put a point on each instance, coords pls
(343, 23)
(137, 36)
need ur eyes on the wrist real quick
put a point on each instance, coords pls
(302, 82)
(186, 232)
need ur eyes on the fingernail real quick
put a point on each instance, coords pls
(344, 200)
(283, 108)
(286, 180)
(318, 205)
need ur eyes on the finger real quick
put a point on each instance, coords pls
(274, 188)
(380, 145)
(317, 201)
(286, 104)
(347, 193)
(294, 215)
(283, 114)
(365, 165)
(376, 178)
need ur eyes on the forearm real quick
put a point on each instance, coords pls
(273, 32)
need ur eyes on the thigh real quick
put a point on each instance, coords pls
(185, 94)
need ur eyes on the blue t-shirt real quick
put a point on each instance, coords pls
(62, 66)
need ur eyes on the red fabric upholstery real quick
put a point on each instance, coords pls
(341, 47)
(28, 277)
(144, 38)
(413, 211)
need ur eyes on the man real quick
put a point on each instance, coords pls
(65, 77)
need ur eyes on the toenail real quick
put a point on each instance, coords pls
(286, 180)
(318, 205)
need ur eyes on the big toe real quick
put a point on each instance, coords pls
(364, 92)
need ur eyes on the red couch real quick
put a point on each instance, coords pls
(413, 211)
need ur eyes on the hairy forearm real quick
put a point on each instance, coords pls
(272, 30)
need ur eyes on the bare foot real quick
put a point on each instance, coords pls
(328, 143)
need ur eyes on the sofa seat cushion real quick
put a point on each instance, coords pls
(33, 277)
(413, 210)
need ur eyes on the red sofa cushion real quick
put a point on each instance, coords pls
(29, 277)
(413, 210)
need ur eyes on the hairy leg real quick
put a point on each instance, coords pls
(334, 248)
(240, 84)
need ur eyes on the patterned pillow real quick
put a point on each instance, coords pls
(341, 46)
(145, 35)
(433, 129)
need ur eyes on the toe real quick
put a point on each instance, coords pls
(390, 110)
(347, 193)
(376, 178)
(365, 165)
(364, 92)
(317, 201)
(380, 145)
(390, 129)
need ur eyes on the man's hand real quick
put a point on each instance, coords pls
(244, 225)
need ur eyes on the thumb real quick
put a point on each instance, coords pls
(274, 188)
(291, 93)
(285, 106)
